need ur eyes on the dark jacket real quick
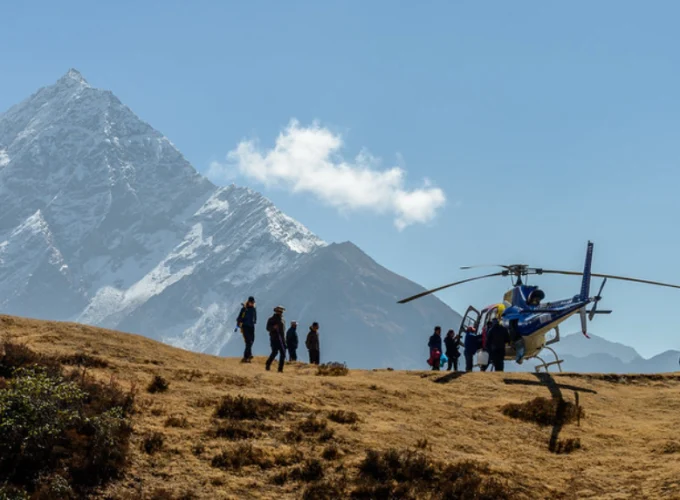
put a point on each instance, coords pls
(497, 337)
(312, 341)
(292, 338)
(247, 316)
(452, 344)
(276, 326)
(472, 343)
(435, 342)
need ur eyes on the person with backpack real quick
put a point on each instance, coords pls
(312, 344)
(276, 327)
(435, 345)
(452, 342)
(246, 320)
(292, 341)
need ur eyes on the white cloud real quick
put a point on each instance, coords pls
(307, 160)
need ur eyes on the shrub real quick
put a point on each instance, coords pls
(567, 446)
(343, 417)
(49, 423)
(407, 474)
(181, 422)
(323, 490)
(311, 470)
(244, 408)
(330, 452)
(312, 425)
(84, 360)
(543, 411)
(326, 435)
(232, 430)
(332, 369)
(153, 443)
(241, 456)
(158, 384)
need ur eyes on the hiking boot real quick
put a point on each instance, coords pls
(267, 367)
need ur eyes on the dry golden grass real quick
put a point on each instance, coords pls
(303, 438)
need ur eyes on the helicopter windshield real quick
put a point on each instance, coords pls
(535, 297)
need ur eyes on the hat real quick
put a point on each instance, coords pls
(279, 308)
(251, 299)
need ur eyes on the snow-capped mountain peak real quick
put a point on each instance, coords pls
(104, 221)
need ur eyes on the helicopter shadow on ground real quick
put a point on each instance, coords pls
(555, 389)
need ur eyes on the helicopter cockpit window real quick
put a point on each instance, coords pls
(535, 297)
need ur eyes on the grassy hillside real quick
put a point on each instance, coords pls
(210, 427)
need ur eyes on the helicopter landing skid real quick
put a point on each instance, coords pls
(545, 365)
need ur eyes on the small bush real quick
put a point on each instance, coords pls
(312, 425)
(330, 452)
(293, 436)
(158, 384)
(543, 411)
(311, 470)
(198, 449)
(407, 474)
(241, 456)
(180, 422)
(281, 478)
(671, 447)
(323, 490)
(343, 417)
(567, 445)
(153, 443)
(290, 457)
(84, 360)
(19, 356)
(332, 370)
(233, 430)
(327, 435)
(422, 444)
(244, 408)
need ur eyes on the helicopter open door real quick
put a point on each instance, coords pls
(470, 318)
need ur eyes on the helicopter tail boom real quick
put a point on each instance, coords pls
(585, 283)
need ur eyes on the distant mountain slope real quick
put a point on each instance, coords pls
(103, 221)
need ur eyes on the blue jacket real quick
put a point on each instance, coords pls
(247, 316)
(435, 342)
(472, 342)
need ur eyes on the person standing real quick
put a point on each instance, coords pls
(452, 342)
(292, 341)
(472, 344)
(276, 327)
(312, 344)
(496, 338)
(435, 345)
(247, 318)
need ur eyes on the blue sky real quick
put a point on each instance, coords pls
(543, 124)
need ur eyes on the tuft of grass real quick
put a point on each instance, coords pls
(198, 449)
(241, 456)
(84, 360)
(244, 408)
(543, 411)
(311, 470)
(343, 417)
(312, 425)
(180, 422)
(408, 474)
(670, 447)
(330, 452)
(326, 435)
(158, 384)
(324, 490)
(332, 370)
(153, 443)
(233, 430)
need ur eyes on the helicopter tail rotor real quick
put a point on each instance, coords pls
(596, 299)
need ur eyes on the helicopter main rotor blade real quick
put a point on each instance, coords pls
(427, 292)
(623, 278)
(486, 265)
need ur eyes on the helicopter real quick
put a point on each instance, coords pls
(527, 320)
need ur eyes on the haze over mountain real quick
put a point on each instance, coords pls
(104, 222)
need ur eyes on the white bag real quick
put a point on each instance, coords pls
(482, 358)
